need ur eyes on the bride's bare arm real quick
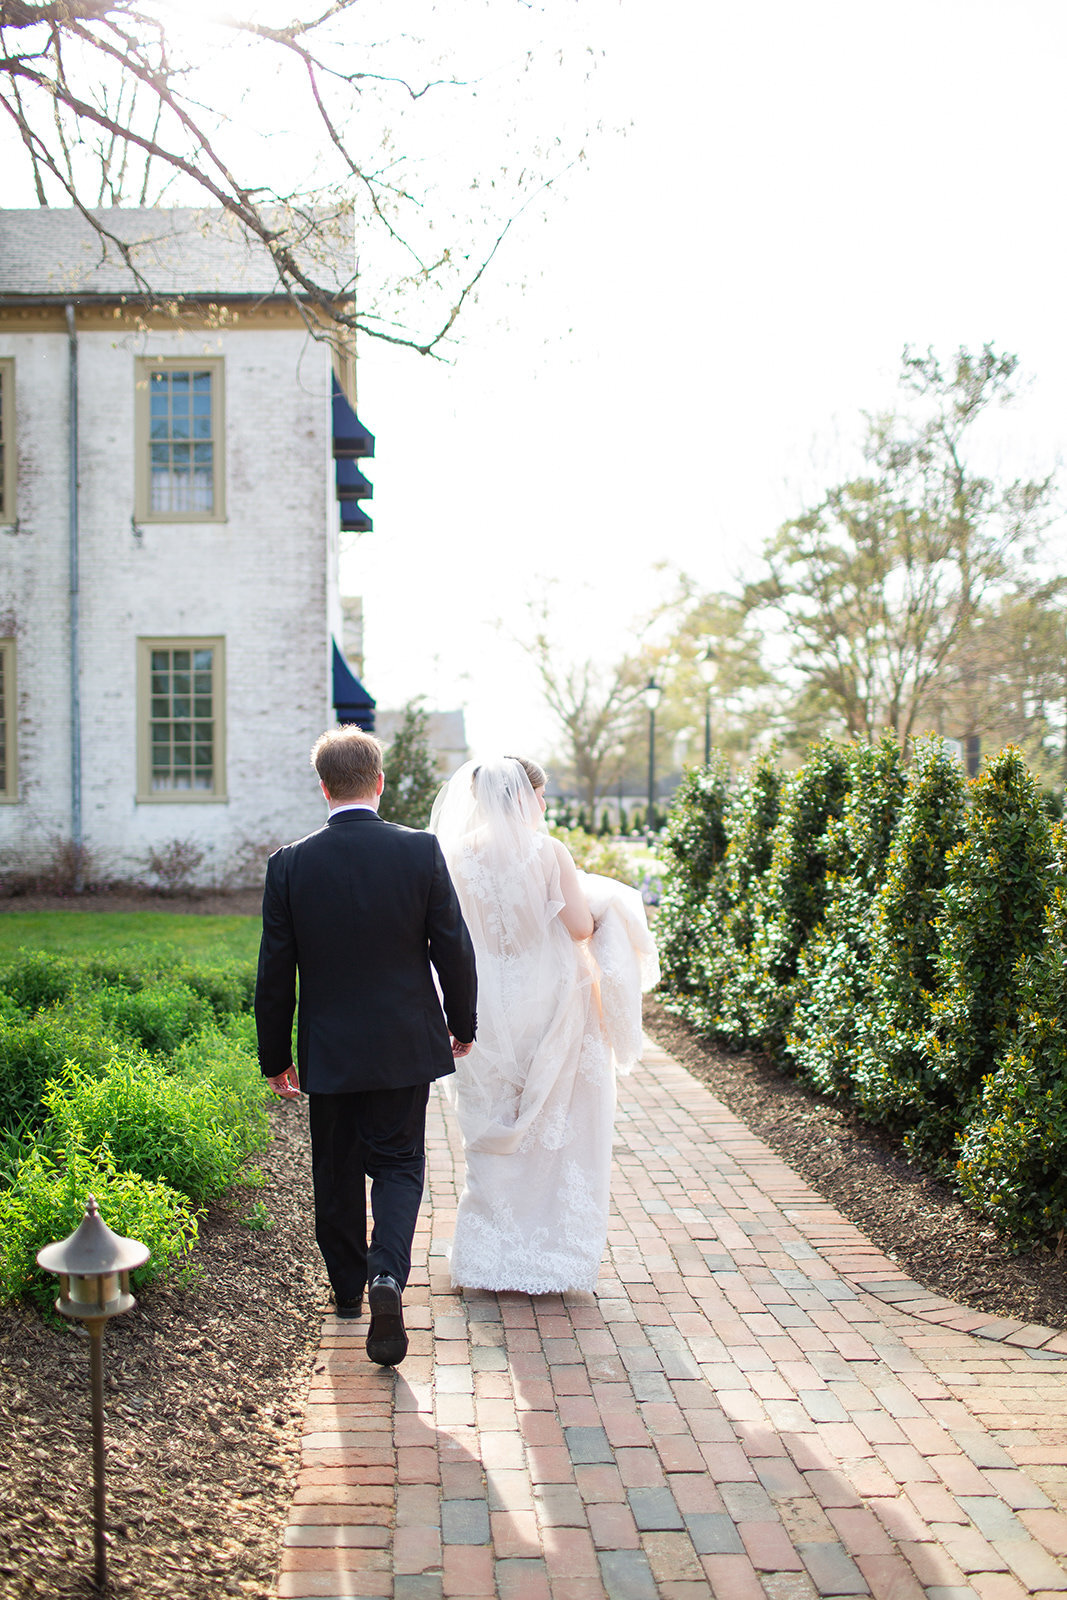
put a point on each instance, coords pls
(575, 916)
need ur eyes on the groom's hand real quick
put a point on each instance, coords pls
(286, 1084)
(461, 1049)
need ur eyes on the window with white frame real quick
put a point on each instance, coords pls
(181, 725)
(8, 761)
(180, 440)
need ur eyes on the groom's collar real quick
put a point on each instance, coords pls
(354, 808)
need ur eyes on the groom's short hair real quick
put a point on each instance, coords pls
(348, 761)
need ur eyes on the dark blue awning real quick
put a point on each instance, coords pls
(350, 437)
(351, 442)
(351, 701)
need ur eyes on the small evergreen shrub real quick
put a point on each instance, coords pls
(692, 848)
(46, 1202)
(833, 986)
(998, 884)
(1013, 1153)
(791, 895)
(889, 1063)
(726, 921)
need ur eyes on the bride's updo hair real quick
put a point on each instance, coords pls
(537, 775)
(499, 779)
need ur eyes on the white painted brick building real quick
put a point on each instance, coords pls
(170, 687)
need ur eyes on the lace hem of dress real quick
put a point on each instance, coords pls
(518, 1284)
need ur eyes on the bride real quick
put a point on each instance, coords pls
(562, 959)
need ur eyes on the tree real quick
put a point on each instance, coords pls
(412, 776)
(881, 584)
(129, 101)
(595, 705)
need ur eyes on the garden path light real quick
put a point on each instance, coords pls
(94, 1267)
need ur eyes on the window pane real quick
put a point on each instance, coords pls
(182, 751)
(181, 409)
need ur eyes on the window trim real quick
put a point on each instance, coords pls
(142, 484)
(10, 794)
(146, 795)
(9, 493)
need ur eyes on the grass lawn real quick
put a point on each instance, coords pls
(72, 932)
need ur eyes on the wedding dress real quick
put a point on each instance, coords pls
(535, 1097)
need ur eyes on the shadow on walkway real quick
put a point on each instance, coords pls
(755, 1406)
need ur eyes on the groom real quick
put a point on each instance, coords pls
(363, 909)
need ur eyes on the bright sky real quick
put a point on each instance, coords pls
(669, 358)
(805, 189)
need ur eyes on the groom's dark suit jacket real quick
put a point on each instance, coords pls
(362, 908)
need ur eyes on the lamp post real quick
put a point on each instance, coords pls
(706, 667)
(94, 1267)
(651, 696)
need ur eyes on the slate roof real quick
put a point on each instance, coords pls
(56, 251)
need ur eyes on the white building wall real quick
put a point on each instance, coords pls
(261, 580)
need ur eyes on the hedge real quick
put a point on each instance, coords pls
(897, 936)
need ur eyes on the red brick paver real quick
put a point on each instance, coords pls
(757, 1405)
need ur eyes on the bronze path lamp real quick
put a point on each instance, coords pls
(94, 1267)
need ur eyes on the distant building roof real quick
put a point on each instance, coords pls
(53, 251)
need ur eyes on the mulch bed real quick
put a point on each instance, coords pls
(913, 1218)
(204, 1395)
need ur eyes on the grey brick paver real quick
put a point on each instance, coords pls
(756, 1404)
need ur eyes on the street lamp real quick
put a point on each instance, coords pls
(706, 667)
(94, 1267)
(651, 694)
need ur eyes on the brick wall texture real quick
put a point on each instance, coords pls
(264, 580)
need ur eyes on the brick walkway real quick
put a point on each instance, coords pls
(757, 1406)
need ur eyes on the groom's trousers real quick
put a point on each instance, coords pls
(380, 1133)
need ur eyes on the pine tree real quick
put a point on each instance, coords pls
(412, 778)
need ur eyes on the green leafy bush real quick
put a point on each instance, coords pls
(157, 1017)
(46, 1202)
(35, 1049)
(833, 983)
(790, 897)
(726, 920)
(180, 1129)
(36, 979)
(227, 987)
(1013, 1153)
(692, 847)
(890, 1062)
(998, 884)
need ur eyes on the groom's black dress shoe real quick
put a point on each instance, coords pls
(353, 1309)
(387, 1343)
